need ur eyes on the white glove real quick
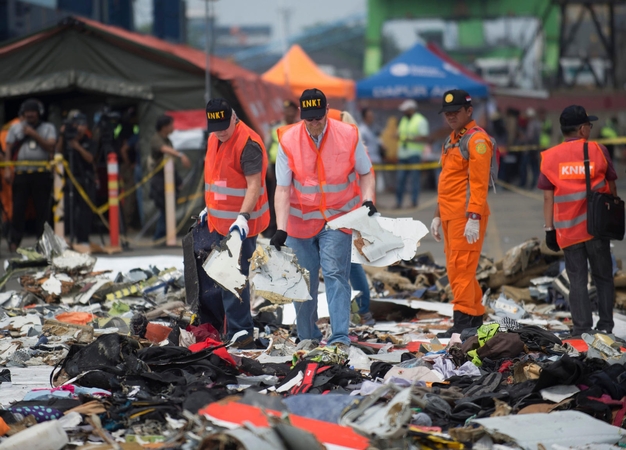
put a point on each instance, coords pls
(202, 216)
(241, 224)
(434, 228)
(472, 230)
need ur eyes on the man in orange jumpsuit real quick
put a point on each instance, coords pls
(466, 160)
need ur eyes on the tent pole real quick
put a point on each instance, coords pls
(207, 51)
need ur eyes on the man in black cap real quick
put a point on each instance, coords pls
(564, 187)
(31, 139)
(236, 200)
(467, 166)
(318, 167)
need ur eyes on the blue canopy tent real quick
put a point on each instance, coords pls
(419, 74)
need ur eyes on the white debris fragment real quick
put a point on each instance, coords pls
(223, 266)
(52, 285)
(91, 287)
(71, 261)
(278, 277)
(381, 241)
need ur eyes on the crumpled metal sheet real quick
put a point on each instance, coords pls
(566, 428)
(384, 421)
(381, 241)
(277, 276)
(222, 264)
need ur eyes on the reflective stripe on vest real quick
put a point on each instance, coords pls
(572, 222)
(235, 192)
(329, 212)
(233, 214)
(577, 195)
(325, 188)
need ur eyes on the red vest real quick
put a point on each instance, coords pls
(564, 166)
(324, 184)
(225, 184)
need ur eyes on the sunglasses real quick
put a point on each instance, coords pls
(313, 119)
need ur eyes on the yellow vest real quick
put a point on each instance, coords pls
(408, 129)
(273, 150)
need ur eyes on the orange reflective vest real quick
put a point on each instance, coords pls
(324, 184)
(225, 184)
(564, 166)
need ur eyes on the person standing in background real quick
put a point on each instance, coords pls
(160, 146)
(413, 133)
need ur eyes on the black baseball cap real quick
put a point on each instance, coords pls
(575, 115)
(454, 100)
(218, 114)
(312, 104)
(289, 104)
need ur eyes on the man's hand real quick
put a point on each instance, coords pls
(434, 228)
(279, 238)
(185, 161)
(75, 144)
(241, 225)
(472, 230)
(29, 131)
(370, 205)
(551, 241)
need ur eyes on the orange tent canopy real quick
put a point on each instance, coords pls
(299, 72)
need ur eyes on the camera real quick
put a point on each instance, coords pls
(70, 130)
(107, 121)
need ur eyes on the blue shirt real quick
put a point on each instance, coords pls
(284, 175)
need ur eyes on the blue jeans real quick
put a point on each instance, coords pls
(598, 253)
(358, 280)
(415, 180)
(214, 301)
(330, 250)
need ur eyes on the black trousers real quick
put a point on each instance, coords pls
(597, 252)
(82, 215)
(38, 186)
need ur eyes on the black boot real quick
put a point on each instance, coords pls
(461, 322)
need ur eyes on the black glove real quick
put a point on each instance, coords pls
(551, 241)
(279, 238)
(372, 208)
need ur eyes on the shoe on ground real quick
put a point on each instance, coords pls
(244, 343)
(367, 319)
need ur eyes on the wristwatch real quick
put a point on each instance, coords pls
(245, 215)
(473, 216)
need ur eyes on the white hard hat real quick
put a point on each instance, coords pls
(530, 112)
(408, 104)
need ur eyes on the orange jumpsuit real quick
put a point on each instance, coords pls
(463, 188)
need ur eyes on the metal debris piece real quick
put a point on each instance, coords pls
(381, 241)
(277, 276)
(222, 264)
(562, 428)
(71, 262)
(50, 244)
